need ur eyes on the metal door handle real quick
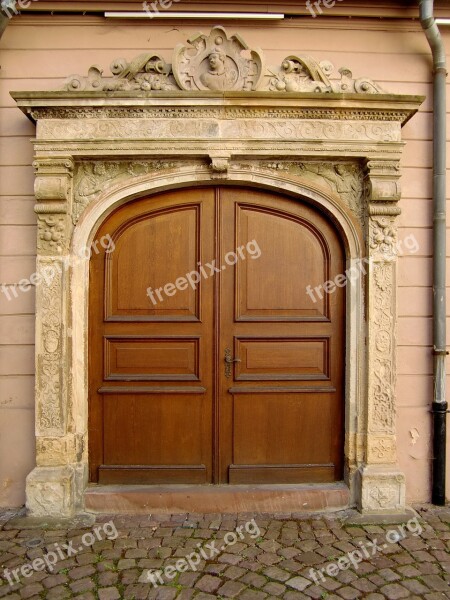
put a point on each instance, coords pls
(229, 360)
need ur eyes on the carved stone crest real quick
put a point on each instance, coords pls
(217, 63)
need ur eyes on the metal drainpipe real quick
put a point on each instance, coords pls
(439, 407)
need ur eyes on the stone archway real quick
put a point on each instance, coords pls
(98, 149)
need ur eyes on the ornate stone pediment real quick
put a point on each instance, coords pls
(217, 62)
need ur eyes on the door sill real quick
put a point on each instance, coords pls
(204, 499)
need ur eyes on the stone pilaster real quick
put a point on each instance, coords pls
(50, 485)
(382, 483)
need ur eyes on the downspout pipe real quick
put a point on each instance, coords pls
(439, 406)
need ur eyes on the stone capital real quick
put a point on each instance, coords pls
(382, 179)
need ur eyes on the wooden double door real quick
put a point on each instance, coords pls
(212, 357)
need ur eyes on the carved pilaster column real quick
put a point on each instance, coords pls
(50, 485)
(383, 485)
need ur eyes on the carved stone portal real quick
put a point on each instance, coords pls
(129, 135)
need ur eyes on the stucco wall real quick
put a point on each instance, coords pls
(38, 53)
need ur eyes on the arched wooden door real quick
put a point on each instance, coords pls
(236, 378)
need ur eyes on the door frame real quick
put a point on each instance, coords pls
(311, 160)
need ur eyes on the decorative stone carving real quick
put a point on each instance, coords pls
(383, 490)
(304, 74)
(382, 449)
(53, 186)
(58, 451)
(219, 166)
(382, 412)
(51, 233)
(222, 112)
(50, 492)
(92, 178)
(219, 63)
(147, 72)
(50, 386)
(383, 236)
(345, 179)
(383, 181)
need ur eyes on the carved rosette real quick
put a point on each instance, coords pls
(53, 188)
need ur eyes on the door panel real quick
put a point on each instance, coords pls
(165, 405)
(281, 408)
(151, 359)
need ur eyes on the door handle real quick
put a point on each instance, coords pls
(229, 360)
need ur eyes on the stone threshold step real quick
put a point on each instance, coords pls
(172, 499)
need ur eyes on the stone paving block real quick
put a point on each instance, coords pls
(276, 573)
(80, 572)
(108, 594)
(107, 578)
(295, 596)
(234, 572)
(389, 575)
(231, 589)
(349, 593)
(252, 595)
(82, 585)
(414, 586)
(298, 583)
(436, 583)
(253, 580)
(394, 591)
(136, 592)
(208, 583)
(364, 585)
(314, 592)
(59, 593)
(32, 589)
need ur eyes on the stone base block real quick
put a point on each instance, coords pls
(382, 490)
(51, 492)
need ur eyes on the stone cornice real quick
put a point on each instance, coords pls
(225, 105)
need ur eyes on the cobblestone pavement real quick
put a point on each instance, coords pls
(274, 556)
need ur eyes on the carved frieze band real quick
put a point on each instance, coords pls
(345, 179)
(210, 128)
